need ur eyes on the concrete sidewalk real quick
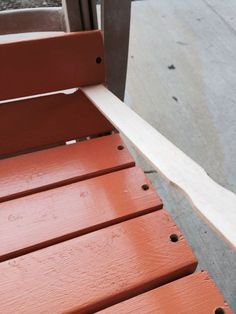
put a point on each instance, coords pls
(181, 75)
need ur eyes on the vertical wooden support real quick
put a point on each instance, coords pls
(115, 18)
(80, 14)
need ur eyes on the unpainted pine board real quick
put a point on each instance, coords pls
(38, 171)
(211, 201)
(193, 294)
(38, 66)
(31, 124)
(97, 270)
(39, 220)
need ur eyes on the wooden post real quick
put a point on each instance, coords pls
(115, 18)
(80, 14)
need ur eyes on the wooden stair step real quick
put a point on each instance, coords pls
(38, 220)
(196, 293)
(28, 173)
(96, 270)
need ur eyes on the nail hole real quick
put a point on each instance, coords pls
(145, 187)
(219, 310)
(174, 237)
(98, 60)
(120, 147)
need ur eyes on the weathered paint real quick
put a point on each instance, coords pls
(38, 171)
(98, 269)
(193, 294)
(46, 218)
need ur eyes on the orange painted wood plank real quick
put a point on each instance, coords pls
(31, 124)
(96, 270)
(38, 220)
(196, 293)
(37, 66)
(41, 170)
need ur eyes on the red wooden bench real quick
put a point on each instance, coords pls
(82, 229)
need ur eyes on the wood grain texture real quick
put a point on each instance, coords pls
(50, 64)
(31, 20)
(96, 270)
(39, 220)
(50, 120)
(213, 202)
(193, 294)
(115, 20)
(38, 171)
(80, 15)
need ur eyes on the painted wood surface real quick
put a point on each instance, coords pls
(50, 120)
(213, 202)
(38, 171)
(50, 64)
(193, 294)
(42, 219)
(96, 270)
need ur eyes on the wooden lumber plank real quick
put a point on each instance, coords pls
(39, 171)
(213, 202)
(44, 65)
(193, 294)
(73, 15)
(80, 14)
(97, 270)
(50, 120)
(31, 20)
(37, 221)
(115, 20)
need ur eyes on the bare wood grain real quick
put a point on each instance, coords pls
(214, 203)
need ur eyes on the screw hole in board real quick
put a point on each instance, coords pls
(145, 187)
(120, 147)
(219, 310)
(99, 60)
(174, 237)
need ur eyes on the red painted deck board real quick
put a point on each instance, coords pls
(41, 122)
(193, 294)
(38, 171)
(39, 220)
(96, 270)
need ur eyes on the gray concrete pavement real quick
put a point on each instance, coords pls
(181, 77)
